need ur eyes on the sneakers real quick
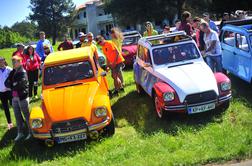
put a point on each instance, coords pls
(29, 136)
(19, 137)
(10, 125)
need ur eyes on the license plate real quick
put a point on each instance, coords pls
(72, 138)
(202, 108)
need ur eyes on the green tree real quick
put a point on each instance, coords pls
(25, 28)
(52, 16)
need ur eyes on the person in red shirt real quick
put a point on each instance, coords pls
(196, 28)
(31, 65)
(20, 51)
(66, 44)
(185, 23)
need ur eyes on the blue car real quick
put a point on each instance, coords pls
(236, 40)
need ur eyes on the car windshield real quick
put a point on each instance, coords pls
(177, 53)
(68, 72)
(130, 40)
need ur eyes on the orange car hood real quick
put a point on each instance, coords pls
(70, 102)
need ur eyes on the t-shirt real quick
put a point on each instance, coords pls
(110, 51)
(153, 33)
(118, 43)
(185, 26)
(212, 36)
(66, 45)
(4, 73)
(40, 48)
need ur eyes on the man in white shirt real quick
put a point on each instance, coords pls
(212, 51)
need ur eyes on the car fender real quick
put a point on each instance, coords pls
(36, 113)
(220, 77)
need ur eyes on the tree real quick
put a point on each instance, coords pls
(25, 28)
(52, 16)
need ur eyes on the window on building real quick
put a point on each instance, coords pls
(78, 16)
(84, 14)
(108, 28)
(76, 33)
(241, 42)
(83, 30)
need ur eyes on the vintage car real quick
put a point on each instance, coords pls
(236, 43)
(129, 46)
(170, 68)
(75, 102)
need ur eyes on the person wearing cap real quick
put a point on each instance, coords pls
(185, 23)
(210, 22)
(17, 81)
(5, 93)
(82, 37)
(31, 65)
(66, 44)
(44, 47)
(20, 50)
(213, 52)
(150, 31)
(114, 61)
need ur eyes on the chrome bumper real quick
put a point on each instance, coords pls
(185, 106)
(90, 128)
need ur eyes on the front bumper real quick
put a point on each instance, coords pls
(89, 129)
(184, 107)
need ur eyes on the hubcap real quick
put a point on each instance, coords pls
(158, 108)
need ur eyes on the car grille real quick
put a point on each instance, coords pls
(68, 126)
(201, 97)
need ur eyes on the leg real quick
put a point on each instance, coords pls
(18, 115)
(218, 62)
(31, 82)
(36, 76)
(24, 106)
(210, 62)
(4, 99)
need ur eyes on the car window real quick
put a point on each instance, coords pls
(177, 53)
(140, 53)
(229, 38)
(68, 72)
(241, 42)
(130, 40)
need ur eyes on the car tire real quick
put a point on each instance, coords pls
(161, 114)
(139, 89)
(225, 105)
(109, 130)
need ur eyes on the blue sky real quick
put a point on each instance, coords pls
(12, 11)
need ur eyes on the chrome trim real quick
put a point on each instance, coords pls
(90, 128)
(225, 98)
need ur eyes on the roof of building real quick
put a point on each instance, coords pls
(68, 55)
(84, 5)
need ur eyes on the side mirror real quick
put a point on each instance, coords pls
(103, 74)
(146, 64)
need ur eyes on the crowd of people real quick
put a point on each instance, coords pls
(19, 86)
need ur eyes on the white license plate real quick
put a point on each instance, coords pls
(202, 108)
(72, 138)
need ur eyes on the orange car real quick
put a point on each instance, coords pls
(75, 100)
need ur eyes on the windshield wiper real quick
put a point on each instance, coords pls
(68, 85)
(181, 64)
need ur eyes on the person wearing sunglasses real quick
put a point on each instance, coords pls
(17, 81)
(114, 61)
(66, 44)
(90, 42)
(150, 31)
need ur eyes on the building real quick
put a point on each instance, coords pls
(91, 17)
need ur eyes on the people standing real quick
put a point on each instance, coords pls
(114, 61)
(150, 31)
(44, 47)
(166, 29)
(185, 23)
(225, 17)
(196, 30)
(5, 93)
(210, 22)
(66, 44)
(82, 37)
(31, 64)
(20, 50)
(90, 42)
(17, 81)
(212, 51)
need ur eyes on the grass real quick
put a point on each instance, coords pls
(142, 139)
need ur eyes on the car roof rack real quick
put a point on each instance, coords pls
(238, 22)
(131, 33)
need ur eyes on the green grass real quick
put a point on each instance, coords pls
(142, 139)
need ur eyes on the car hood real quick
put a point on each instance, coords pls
(132, 49)
(189, 79)
(70, 102)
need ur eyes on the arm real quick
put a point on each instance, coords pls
(21, 82)
(212, 45)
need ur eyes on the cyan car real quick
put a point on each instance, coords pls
(236, 40)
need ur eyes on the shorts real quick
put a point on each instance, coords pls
(118, 68)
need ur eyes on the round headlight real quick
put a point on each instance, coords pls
(225, 86)
(100, 112)
(36, 123)
(168, 96)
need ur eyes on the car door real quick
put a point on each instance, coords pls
(243, 55)
(228, 51)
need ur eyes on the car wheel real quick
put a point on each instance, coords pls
(139, 89)
(160, 113)
(109, 130)
(225, 105)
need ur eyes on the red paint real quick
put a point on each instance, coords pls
(220, 77)
(132, 51)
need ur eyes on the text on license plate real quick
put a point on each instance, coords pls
(72, 138)
(202, 108)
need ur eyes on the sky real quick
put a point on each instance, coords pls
(12, 11)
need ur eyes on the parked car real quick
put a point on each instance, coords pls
(129, 47)
(236, 43)
(171, 70)
(75, 101)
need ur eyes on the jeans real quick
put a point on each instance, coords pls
(19, 108)
(33, 82)
(6, 98)
(215, 63)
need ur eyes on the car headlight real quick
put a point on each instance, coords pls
(100, 112)
(36, 123)
(168, 96)
(225, 86)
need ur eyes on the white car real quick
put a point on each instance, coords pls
(170, 69)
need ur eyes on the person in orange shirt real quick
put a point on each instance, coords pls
(114, 61)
